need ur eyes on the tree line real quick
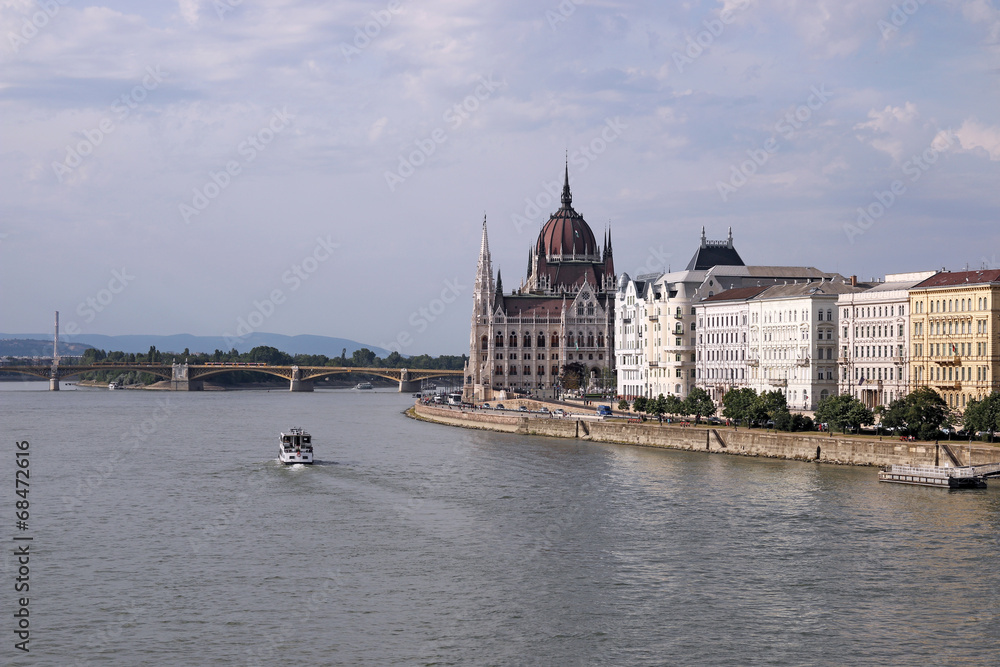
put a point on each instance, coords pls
(922, 413)
(363, 358)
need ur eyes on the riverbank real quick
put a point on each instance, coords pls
(826, 448)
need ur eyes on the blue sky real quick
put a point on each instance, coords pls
(324, 168)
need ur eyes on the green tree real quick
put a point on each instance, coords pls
(673, 405)
(623, 405)
(699, 404)
(364, 358)
(657, 406)
(269, 355)
(639, 404)
(843, 411)
(983, 415)
(738, 404)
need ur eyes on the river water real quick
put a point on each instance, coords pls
(166, 533)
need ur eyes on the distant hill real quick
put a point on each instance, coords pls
(304, 344)
(38, 347)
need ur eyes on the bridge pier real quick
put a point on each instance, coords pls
(54, 384)
(297, 383)
(405, 383)
(179, 380)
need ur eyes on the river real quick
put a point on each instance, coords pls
(165, 532)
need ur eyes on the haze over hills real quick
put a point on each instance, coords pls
(302, 344)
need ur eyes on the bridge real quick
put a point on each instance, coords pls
(185, 377)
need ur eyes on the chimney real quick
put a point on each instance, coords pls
(854, 281)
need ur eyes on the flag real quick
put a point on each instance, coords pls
(861, 382)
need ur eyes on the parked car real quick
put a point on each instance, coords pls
(714, 420)
(543, 410)
(522, 409)
(559, 412)
(486, 406)
(604, 410)
(500, 406)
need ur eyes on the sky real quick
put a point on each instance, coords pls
(216, 167)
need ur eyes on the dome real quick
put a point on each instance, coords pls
(567, 234)
(623, 280)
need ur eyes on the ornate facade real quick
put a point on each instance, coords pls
(555, 331)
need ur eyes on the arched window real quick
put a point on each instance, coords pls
(820, 316)
(555, 370)
(527, 370)
(590, 309)
(555, 340)
(541, 370)
(590, 339)
(513, 339)
(570, 341)
(829, 315)
(579, 311)
(513, 370)
(541, 339)
(600, 340)
(484, 342)
(498, 370)
(499, 340)
(527, 340)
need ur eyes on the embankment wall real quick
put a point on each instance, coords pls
(742, 442)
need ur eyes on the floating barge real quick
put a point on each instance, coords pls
(967, 477)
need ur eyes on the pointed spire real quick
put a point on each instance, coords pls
(730, 242)
(499, 283)
(567, 196)
(703, 239)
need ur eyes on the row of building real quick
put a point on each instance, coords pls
(720, 324)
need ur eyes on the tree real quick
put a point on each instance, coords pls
(699, 404)
(657, 406)
(623, 405)
(843, 411)
(738, 404)
(983, 415)
(639, 404)
(673, 405)
(363, 358)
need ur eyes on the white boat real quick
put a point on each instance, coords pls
(364, 386)
(114, 385)
(295, 447)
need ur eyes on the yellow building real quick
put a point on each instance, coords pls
(954, 335)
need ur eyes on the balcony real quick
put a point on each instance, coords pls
(678, 316)
(753, 362)
(778, 383)
(947, 361)
(802, 362)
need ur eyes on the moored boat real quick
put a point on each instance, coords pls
(295, 447)
(364, 386)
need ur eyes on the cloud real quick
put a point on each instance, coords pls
(889, 130)
(189, 10)
(974, 136)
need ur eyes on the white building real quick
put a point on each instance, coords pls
(721, 352)
(662, 323)
(793, 340)
(875, 340)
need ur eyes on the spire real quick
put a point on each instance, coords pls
(703, 239)
(499, 283)
(567, 196)
(730, 241)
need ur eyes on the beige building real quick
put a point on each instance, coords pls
(554, 331)
(955, 335)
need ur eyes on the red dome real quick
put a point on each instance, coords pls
(567, 234)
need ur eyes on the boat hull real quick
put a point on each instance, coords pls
(291, 459)
(930, 479)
